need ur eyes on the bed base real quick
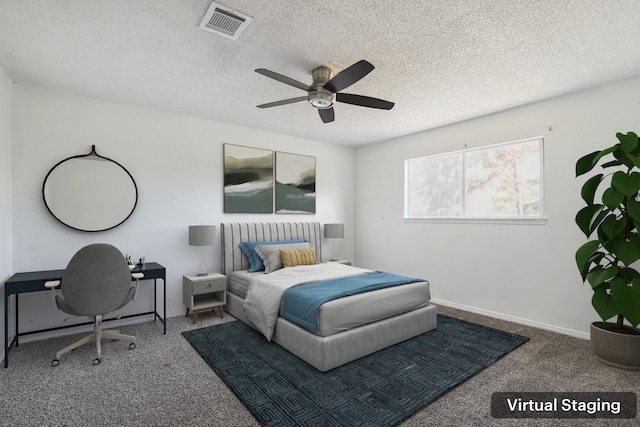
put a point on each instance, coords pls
(326, 353)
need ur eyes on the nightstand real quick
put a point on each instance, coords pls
(200, 293)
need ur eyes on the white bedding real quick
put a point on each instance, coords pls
(262, 304)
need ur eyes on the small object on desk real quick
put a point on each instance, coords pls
(201, 293)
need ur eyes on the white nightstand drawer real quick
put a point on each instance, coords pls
(209, 285)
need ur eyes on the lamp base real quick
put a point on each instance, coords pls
(202, 270)
(334, 252)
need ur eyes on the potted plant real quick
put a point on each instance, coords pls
(606, 260)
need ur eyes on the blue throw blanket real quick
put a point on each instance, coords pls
(300, 304)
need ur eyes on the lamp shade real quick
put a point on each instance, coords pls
(202, 235)
(334, 231)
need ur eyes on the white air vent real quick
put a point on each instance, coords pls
(224, 21)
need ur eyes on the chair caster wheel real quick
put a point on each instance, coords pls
(132, 346)
(97, 361)
(54, 363)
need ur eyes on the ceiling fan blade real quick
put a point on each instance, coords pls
(349, 76)
(283, 102)
(327, 115)
(283, 79)
(364, 101)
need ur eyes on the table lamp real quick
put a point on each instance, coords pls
(202, 235)
(334, 231)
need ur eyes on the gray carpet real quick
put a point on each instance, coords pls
(164, 382)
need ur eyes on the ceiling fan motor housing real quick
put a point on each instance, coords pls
(319, 97)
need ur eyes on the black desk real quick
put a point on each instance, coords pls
(33, 281)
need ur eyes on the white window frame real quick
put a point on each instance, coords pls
(539, 219)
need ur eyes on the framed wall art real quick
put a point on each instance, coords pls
(295, 183)
(248, 179)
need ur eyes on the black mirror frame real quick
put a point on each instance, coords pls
(92, 153)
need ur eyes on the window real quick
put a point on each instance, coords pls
(499, 181)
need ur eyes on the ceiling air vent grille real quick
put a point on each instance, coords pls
(224, 21)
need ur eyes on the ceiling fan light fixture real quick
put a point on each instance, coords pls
(321, 103)
(321, 100)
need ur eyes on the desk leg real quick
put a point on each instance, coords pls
(6, 330)
(17, 329)
(164, 302)
(155, 299)
(7, 343)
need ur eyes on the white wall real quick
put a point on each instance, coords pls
(5, 189)
(523, 272)
(177, 164)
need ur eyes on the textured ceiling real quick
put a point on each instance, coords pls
(440, 61)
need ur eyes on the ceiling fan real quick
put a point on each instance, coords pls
(325, 89)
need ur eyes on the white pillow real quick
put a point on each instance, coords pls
(270, 254)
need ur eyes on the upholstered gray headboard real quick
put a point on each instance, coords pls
(233, 234)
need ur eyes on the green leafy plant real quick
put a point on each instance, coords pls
(605, 262)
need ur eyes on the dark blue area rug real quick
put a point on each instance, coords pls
(381, 389)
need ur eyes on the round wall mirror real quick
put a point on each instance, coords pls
(90, 192)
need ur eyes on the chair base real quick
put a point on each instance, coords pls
(96, 336)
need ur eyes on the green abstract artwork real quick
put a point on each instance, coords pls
(295, 183)
(248, 179)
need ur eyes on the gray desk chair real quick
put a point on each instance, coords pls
(96, 282)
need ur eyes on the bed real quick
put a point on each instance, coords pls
(347, 328)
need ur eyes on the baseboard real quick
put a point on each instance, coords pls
(570, 332)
